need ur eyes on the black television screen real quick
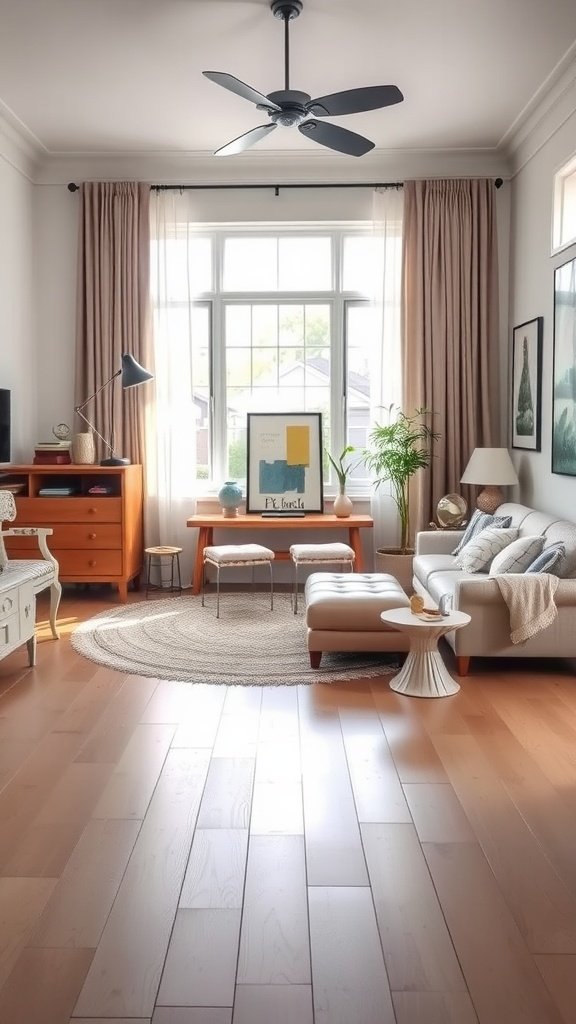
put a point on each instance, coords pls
(5, 424)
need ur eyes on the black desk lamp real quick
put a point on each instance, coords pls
(132, 375)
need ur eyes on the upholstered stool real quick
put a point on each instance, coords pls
(233, 556)
(318, 554)
(158, 559)
(343, 613)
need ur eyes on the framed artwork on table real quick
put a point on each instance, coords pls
(564, 375)
(527, 385)
(284, 462)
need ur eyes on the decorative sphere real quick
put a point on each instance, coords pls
(451, 510)
(230, 497)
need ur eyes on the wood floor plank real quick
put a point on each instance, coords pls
(22, 901)
(543, 907)
(283, 1004)
(200, 968)
(109, 737)
(79, 906)
(109, 1020)
(433, 1008)
(348, 977)
(216, 870)
(438, 814)
(134, 778)
(227, 798)
(502, 977)
(375, 783)
(191, 1015)
(559, 973)
(43, 985)
(237, 734)
(127, 967)
(277, 809)
(412, 749)
(274, 943)
(199, 726)
(91, 702)
(49, 841)
(418, 950)
(334, 854)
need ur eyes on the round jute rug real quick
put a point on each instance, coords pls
(249, 645)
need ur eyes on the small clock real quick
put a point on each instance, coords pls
(61, 431)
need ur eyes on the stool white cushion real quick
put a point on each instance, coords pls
(321, 553)
(237, 554)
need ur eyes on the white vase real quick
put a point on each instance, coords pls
(342, 505)
(84, 449)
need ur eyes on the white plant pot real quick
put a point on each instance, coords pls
(343, 506)
(397, 564)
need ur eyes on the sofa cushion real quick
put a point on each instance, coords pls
(424, 566)
(480, 520)
(548, 560)
(517, 556)
(478, 554)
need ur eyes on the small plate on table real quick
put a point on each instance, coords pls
(430, 616)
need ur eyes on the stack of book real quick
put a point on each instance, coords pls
(52, 453)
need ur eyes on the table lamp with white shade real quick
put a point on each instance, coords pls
(493, 468)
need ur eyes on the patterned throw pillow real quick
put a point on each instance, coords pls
(480, 520)
(483, 548)
(517, 556)
(549, 560)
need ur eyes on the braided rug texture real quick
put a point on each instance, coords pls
(249, 645)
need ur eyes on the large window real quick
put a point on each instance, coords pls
(564, 230)
(270, 321)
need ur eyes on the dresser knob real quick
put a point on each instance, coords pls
(91, 563)
(92, 511)
(91, 536)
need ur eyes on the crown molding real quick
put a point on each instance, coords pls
(18, 147)
(548, 109)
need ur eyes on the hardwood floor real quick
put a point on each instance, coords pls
(333, 854)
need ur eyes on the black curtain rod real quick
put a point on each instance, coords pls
(73, 187)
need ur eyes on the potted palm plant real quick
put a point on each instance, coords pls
(396, 451)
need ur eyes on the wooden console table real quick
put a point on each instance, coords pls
(207, 524)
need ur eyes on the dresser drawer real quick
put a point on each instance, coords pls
(9, 603)
(48, 511)
(75, 535)
(89, 563)
(9, 632)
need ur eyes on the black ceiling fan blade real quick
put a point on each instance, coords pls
(240, 88)
(245, 141)
(355, 101)
(335, 137)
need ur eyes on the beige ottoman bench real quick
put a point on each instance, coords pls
(343, 613)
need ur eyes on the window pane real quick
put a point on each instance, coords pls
(316, 328)
(250, 264)
(362, 264)
(238, 325)
(305, 264)
(359, 358)
(239, 367)
(265, 325)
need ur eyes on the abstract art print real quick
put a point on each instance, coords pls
(527, 384)
(284, 462)
(564, 378)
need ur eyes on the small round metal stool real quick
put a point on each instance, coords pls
(158, 559)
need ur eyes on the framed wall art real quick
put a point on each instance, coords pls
(527, 385)
(284, 462)
(564, 375)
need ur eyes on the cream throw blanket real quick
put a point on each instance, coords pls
(530, 600)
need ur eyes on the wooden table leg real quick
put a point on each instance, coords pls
(204, 541)
(356, 545)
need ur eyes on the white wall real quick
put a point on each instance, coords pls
(17, 291)
(549, 144)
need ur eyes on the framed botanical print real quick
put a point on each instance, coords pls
(527, 384)
(564, 376)
(284, 462)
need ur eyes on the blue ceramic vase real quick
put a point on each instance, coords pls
(230, 497)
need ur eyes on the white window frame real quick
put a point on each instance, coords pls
(563, 235)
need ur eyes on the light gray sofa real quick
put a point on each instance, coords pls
(488, 633)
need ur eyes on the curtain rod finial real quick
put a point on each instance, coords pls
(498, 182)
(72, 186)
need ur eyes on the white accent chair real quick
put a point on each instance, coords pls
(40, 572)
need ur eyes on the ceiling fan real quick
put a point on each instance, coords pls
(289, 107)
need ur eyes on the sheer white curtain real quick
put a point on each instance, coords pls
(386, 383)
(170, 425)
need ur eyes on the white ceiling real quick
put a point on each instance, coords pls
(125, 76)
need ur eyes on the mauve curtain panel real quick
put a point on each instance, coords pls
(450, 325)
(113, 306)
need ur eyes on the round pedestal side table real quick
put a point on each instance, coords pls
(424, 673)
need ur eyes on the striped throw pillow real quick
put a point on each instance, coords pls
(518, 555)
(548, 560)
(480, 520)
(479, 553)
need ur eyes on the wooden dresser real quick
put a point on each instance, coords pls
(97, 537)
